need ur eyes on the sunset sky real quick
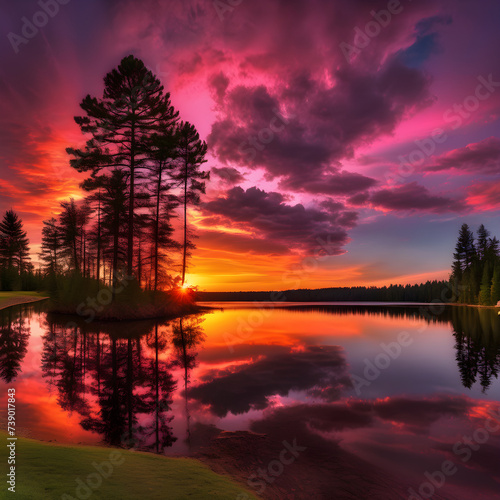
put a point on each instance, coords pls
(380, 145)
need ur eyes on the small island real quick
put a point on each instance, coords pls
(122, 251)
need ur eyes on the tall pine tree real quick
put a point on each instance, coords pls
(51, 246)
(192, 153)
(495, 286)
(14, 244)
(120, 124)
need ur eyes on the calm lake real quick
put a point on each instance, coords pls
(397, 396)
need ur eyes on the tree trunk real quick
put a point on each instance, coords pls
(185, 222)
(98, 270)
(157, 227)
(130, 239)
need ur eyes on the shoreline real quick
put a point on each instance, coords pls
(114, 316)
(19, 300)
(64, 462)
(347, 303)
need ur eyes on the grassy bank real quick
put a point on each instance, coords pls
(47, 471)
(8, 299)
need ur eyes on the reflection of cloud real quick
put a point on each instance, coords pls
(321, 370)
(321, 417)
(393, 435)
(416, 414)
(420, 413)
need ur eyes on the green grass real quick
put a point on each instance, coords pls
(7, 297)
(47, 471)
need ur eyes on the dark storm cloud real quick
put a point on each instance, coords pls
(342, 183)
(324, 119)
(479, 158)
(218, 84)
(241, 388)
(359, 199)
(228, 174)
(414, 197)
(271, 218)
(301, 134)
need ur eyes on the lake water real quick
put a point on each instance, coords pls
(407, 393)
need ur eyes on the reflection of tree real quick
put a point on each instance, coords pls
(477, 334)
(432, 313)
(62, 362)
(187, 334)
(14, 336)
(158, 399)
(115, 383)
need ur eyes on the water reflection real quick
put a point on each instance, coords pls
(121, 387)
(187, 335)
(177, 385)
(14, 335)
(320, 371)
(477, 334)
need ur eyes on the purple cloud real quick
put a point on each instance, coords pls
(478, 158)
(272, 219)
(414, 197)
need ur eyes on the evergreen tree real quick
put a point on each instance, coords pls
(95, 235)
(51, 246)
(165, 155)
(485, 292)
(192, 153)
(133, 107)
(69, 221)
(495, 286)
(463, 278)
(465, 250)
(493, 251)
(114, 201)
(482, 242)
(14, 244)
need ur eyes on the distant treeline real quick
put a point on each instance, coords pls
(424, 292)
